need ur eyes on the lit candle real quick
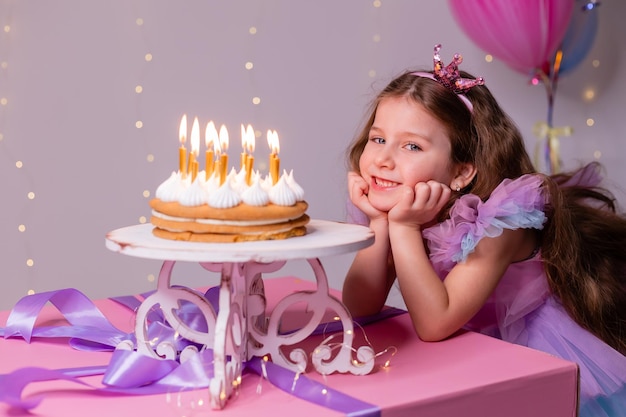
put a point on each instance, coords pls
(272, 141)
(224, 156)
(250, 142)
(195, 149)
(182, 152)
(210, 139)
(244, 147)
(218, 152)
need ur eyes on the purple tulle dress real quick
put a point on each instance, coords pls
(522, 310)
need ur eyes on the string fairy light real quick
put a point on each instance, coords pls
(249, 67)
(589, 97)
(375, 38)
(5, 39)
(139, 89)
(324, 345)
(7, 29)
(392, 350)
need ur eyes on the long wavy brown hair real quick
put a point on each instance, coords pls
(583, 243)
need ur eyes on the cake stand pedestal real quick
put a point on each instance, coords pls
(242, 328)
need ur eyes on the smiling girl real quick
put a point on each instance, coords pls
(476, 238)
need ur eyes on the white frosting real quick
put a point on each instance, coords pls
(255, 195)
(212, 184)
(224, 197)
(194, 195)
(238, 180)
(222, 222)
(171, 188)
(234, 190)
(280, 194)
(297, 190)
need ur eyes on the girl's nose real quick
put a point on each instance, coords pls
(384, 158)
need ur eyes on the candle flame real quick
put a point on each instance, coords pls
(247, 138)
(250, 139)
(182, 131)
(217, 149)
(223, 138)
(210, 135)
(272, 141)
(195, 137)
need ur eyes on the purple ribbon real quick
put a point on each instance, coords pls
(130, 372)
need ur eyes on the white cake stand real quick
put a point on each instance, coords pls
(241, 328)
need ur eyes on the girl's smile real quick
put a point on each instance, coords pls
(383, 184)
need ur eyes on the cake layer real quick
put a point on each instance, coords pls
(197, 227)
(242, 212)
(228, 238)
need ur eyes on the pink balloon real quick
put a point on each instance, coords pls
(522, 33)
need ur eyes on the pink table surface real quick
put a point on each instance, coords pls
(467, 375)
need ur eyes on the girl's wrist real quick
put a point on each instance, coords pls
(404, 228)
(380, 226)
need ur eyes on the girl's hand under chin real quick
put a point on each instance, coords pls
(358, 189)
(420, 205)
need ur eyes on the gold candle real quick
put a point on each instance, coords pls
(244, 146)
(249, 168)
(218, 152)
(195, 149)
(272, 140)
(208, 162)
(182, 152)
(211, 141)
(224, 156)
(250, 143)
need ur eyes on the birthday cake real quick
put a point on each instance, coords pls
(205, 211)
(215, 205)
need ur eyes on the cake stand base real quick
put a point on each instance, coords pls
(241, 327)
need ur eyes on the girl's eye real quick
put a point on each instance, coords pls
(378, 140)
(412, 147)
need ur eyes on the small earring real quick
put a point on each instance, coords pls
(458, 188)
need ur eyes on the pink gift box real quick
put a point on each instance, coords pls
(468, 375)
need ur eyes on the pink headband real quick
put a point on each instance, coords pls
(449, 77)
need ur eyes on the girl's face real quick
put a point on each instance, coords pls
(406, 145)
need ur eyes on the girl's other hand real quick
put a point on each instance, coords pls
(420, 205)
(358, 189)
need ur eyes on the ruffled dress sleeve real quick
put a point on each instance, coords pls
(514, 204)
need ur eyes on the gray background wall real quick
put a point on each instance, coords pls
(68, 118)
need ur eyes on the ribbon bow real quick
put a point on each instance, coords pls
(130, 372)
(543, 130)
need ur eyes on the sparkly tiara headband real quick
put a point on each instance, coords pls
(449, 76)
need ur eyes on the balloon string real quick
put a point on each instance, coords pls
(550, 82)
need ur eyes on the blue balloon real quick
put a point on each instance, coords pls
(580, 35)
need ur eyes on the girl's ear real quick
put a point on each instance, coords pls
(465, 173)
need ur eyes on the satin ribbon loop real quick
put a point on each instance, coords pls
(76, 308)
(544, 132)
